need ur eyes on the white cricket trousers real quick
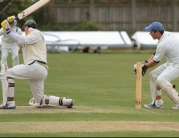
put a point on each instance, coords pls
(167, 72)
(35, 73)
(5, 52)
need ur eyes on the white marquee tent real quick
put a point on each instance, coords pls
(75, 39)
(143, 39)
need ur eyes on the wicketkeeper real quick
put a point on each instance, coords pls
(160, 78)
(34, 69)
(9, 44)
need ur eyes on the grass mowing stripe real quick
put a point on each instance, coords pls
(74, 117)
(97, 134)
(86, 126)
(103, 86)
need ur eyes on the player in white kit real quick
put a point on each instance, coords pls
(9, 44)
(34, 69)
(160, 78)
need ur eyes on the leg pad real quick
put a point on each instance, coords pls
(169, 90)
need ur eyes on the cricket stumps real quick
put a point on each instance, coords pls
(138, 95)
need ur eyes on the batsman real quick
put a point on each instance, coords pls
(161, 77)
(34, 69)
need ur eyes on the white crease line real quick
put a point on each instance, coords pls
(151, 111)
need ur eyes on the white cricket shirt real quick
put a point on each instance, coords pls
(168, 46)
(6, 39)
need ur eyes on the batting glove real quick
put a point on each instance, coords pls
(11, 19)
(144, 69)
(6, 27)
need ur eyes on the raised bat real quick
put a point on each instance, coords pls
(31, 9)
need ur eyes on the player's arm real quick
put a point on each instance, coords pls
(151, 62)
(151, 58)
(1, 31)
(147, 64)
(29, 39)
(157, 57)
(19, 31)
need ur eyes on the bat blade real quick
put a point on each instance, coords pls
(31, 9)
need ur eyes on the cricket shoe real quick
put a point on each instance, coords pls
(152, 105)
(9, 105)
(176, 107)
(70, 103)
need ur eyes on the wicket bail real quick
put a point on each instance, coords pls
(138, 86)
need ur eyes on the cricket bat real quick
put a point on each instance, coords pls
(31, 9)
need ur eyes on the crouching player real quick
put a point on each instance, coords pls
(34, 69)
(162, 76)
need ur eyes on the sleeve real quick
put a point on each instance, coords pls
(160, 51)
(1, 31)
(19, 31)
(29, 39)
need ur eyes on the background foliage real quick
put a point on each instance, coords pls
(14, 8)
(45, 15)
(43, 23)
(113, 1)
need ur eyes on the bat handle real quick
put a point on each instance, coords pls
(17, 18)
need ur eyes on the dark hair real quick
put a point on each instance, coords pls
(161, 32)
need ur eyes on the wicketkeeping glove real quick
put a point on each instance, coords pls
(135, 68)
(6, 27)
(144, 69)
(11, 19)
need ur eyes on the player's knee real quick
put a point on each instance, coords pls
(11, 82)
(152, 77)
(3, 74)
(162, 83)
(3, 60)
(16, 57)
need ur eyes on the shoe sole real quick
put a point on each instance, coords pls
(14, 107)
(149, 107)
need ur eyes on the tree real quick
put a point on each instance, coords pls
(15, 7)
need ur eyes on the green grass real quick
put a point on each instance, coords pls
(99, 134)
(100, 81)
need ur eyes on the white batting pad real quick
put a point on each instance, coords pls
(169, 90)
(52, 101)
(4, 82)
